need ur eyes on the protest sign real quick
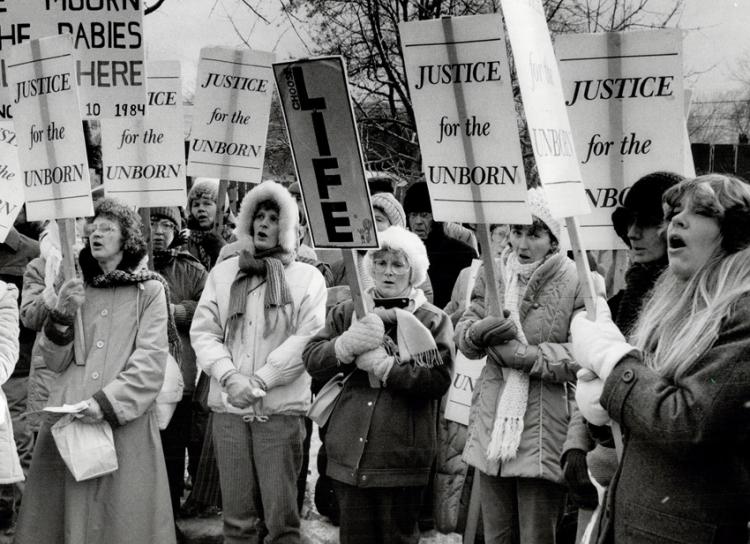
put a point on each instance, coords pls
(544, 106)
(11, 186)
(230, 116)
(624, 94)
(51, 151)
(325, 145)
(463, 380)
(143, 158)
(460, 87)
(108, 41)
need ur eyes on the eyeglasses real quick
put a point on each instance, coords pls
(102, 228)
(420, 215)
(161, 224)
(397, 268)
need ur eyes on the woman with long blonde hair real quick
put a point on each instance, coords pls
(681, 389)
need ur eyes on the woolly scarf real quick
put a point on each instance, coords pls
(414, 344)
(269, 265)
(639, 281)
(199, 239)
(118, 278)
(511, 403)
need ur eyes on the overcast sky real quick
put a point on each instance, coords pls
(717, 32)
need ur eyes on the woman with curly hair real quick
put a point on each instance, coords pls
(680, 390)
(128, 332)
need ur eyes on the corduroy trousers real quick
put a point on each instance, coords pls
(258, 467)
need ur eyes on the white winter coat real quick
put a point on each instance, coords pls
(10, 467)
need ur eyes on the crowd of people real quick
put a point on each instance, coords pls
(635, 420)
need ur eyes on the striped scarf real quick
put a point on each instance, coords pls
(268, 264)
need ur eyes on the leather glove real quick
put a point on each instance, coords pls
(491, 330)
(575, 471)
(377, 362)
(242, 391)
(514, 354)
(69, 300)
(363, 335)
(598, 345)
(588, 392)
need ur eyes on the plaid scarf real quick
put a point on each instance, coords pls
(118, 278)
(269, 265)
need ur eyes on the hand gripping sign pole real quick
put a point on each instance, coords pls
(470, 147)
(51, 150)
(328, 160)
(551, 138)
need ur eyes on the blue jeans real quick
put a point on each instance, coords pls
(521, 510)
(258, 467)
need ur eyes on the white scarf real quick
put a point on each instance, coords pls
(511, 403)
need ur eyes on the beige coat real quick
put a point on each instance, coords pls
(10, 468)
(125, 332)
(552, 295)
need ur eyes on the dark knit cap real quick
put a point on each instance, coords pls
(172, 213)
(417, 199)
(642, 204)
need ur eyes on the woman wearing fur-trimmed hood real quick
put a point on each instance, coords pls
(257, 312)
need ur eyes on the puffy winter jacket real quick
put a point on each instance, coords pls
(552, 295)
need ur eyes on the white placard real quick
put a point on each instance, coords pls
(544, 105)
(325, 145)
(463, 380)
(231, 112)
(460, 86)
(51, 149)
(11, 186)
(143, 159)
(624, 92)
(108, 41)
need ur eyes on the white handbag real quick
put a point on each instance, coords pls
(170, 394)
(88, 449)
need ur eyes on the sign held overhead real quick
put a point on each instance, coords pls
(459, 83)
(230, 120)
(327, 156)
(51, 150)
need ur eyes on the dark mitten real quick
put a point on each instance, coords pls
(575, 472)
(491, 331)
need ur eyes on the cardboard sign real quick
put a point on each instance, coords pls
(465, 377)
(460, 87)
(230, 117)
(624, 96)
(325, 145)
(108, 38)
(49, 132)
(143, 159)
(544, 105)
(11, 186)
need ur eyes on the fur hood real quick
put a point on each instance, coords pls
(398, 238)
(288, 214)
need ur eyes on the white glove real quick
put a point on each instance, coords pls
(588, 392)
(376, 361)
(598, 345)
(361, 336)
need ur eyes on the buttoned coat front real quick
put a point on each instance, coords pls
(125, 336)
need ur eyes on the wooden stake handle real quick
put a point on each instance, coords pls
(362, 303)
(67, 241)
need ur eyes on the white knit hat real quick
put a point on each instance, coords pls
(400, 239)
(390, 207)
(539, 208)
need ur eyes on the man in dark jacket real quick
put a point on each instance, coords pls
(15, 254)
(186, 277)
(447, 255)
